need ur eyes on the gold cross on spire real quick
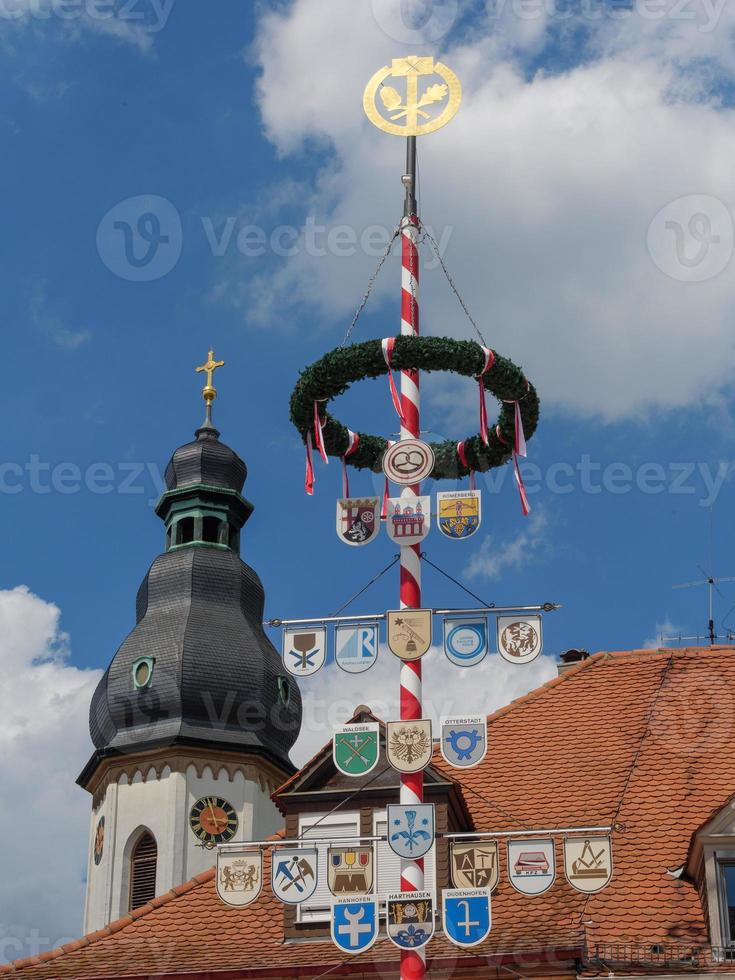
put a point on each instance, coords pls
(209, 391)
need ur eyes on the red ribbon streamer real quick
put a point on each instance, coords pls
(351, 447)
(489, 361)
(388, 343)
(319, 435)
(520, 435)
(525, 506)
(463, 460)
(309, 479)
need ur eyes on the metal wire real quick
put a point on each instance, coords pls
(372, 581)
(488, 605)
(435, 246)
(371, 283)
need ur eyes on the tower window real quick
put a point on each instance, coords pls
(210, 529)
(185, 530)
(143, 672)
(143, 871)
(284, 689)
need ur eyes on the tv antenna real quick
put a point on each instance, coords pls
(711, 582)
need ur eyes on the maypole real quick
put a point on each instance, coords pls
(413, 962)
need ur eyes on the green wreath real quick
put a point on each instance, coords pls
(335, 372)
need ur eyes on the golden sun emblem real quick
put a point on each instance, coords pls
(428, 96)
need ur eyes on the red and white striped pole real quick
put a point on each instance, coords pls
(413, 962)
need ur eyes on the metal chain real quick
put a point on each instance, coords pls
(435, 246)
(371, 283)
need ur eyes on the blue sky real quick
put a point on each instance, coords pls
(583, 144)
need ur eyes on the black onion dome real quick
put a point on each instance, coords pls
(206, 461)
(216, 674)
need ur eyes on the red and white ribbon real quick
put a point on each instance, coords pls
(525, 506)
(388, 343)
(520, 440)
(319, 435)
(386, 493)
(354, 442)
(309, 479)
(463, 460)
(489, 361)
(519, 449)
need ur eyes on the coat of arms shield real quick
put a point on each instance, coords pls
(410, 828)
(588, 863)
(459, 513)
(358, 520)
(531, 865)
(464, 740)
(475, 864)
(294, 873)
(356, 647)
(410, 918)
(465, 640)
(355, 923)
(409, 519)
(239, 875)
(408, 744)
(355, 748)
(304, 651)
(466, 915)
(408, 633)
(520, 638)
(350, 870)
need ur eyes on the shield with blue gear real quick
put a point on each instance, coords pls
(464, 740)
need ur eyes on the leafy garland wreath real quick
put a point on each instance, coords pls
(335, 372)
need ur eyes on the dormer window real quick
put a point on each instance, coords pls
(726, 874)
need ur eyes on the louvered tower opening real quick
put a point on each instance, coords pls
(143, 872)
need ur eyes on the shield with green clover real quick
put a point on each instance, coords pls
(355, 748)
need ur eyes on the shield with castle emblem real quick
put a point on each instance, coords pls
(409, 519)
(408, 744)
(358, 519)
(239, 875)
(350, 870)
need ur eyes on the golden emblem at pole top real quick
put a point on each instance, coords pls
(209, 392)
(427, 97)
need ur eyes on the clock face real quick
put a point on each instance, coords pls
(213, 820)
(99, 841)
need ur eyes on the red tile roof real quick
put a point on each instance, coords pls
(643, 739)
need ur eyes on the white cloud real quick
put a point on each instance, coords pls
(50, 323)
(494, 557)
(447, 690)
(550, 182)
(44, 742)
(664, 633)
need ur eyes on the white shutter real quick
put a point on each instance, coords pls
(317, 908)
(389, 864)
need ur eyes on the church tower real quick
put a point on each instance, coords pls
(194, 718)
